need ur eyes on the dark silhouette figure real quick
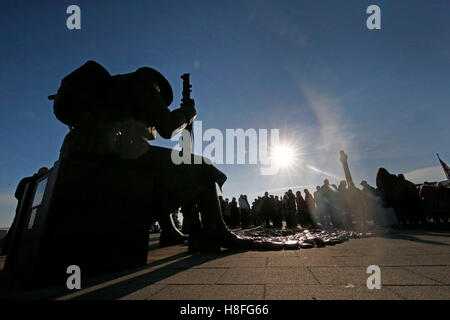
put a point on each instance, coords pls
(244, 208)
(303, 212)
(436, 202)
(114, 117)
(267, 208)
(290, 209)
(401, 194)
(311, 205)
(324, 205)
(235, 216)
(278, 213)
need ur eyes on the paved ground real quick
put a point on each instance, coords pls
(414, 265)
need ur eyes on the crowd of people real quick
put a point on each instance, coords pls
(344, 206)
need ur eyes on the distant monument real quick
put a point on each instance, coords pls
(343, 158)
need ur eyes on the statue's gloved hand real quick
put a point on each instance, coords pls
(131, 138)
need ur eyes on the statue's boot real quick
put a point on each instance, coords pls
(215, 232)
(207, 241)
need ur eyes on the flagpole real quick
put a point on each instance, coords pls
(444, 167)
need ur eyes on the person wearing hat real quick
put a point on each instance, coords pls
(369, 189)
(116, 117)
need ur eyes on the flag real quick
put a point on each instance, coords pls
(445, 167)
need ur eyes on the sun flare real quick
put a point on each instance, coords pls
(284, 156)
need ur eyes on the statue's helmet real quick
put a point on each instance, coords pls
(85, 90)
(80, 91)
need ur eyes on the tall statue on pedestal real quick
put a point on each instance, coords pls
(343, 158)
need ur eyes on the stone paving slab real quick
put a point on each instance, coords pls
(188, 276)
(394, 259)
(327, 292)
(302, 261)
(145, 293)
(414, 265)
(297, 275)
(422, 292)
(439, 274)
(210, 292)
(358, 276)
(237, 262)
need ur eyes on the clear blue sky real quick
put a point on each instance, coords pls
(310, 68)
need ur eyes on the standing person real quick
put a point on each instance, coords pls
(273, 211)
(311, 207)
(317, 196)
(277, 215)
(254, 219)
(225, 210)
(324, 212)
(244, 209)
(283, 208)
(304, 212)
(290, 210)
(266, 209)
(301, 209)
(318, 199)
(234, 210)
(342, 186)
(369, 189)
(248, 206)
(259, 219)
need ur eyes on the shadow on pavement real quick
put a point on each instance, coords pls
(119, 288)
(411, 235)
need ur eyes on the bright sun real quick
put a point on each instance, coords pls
(284, 156)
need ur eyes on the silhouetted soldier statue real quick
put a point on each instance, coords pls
(114, 117)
